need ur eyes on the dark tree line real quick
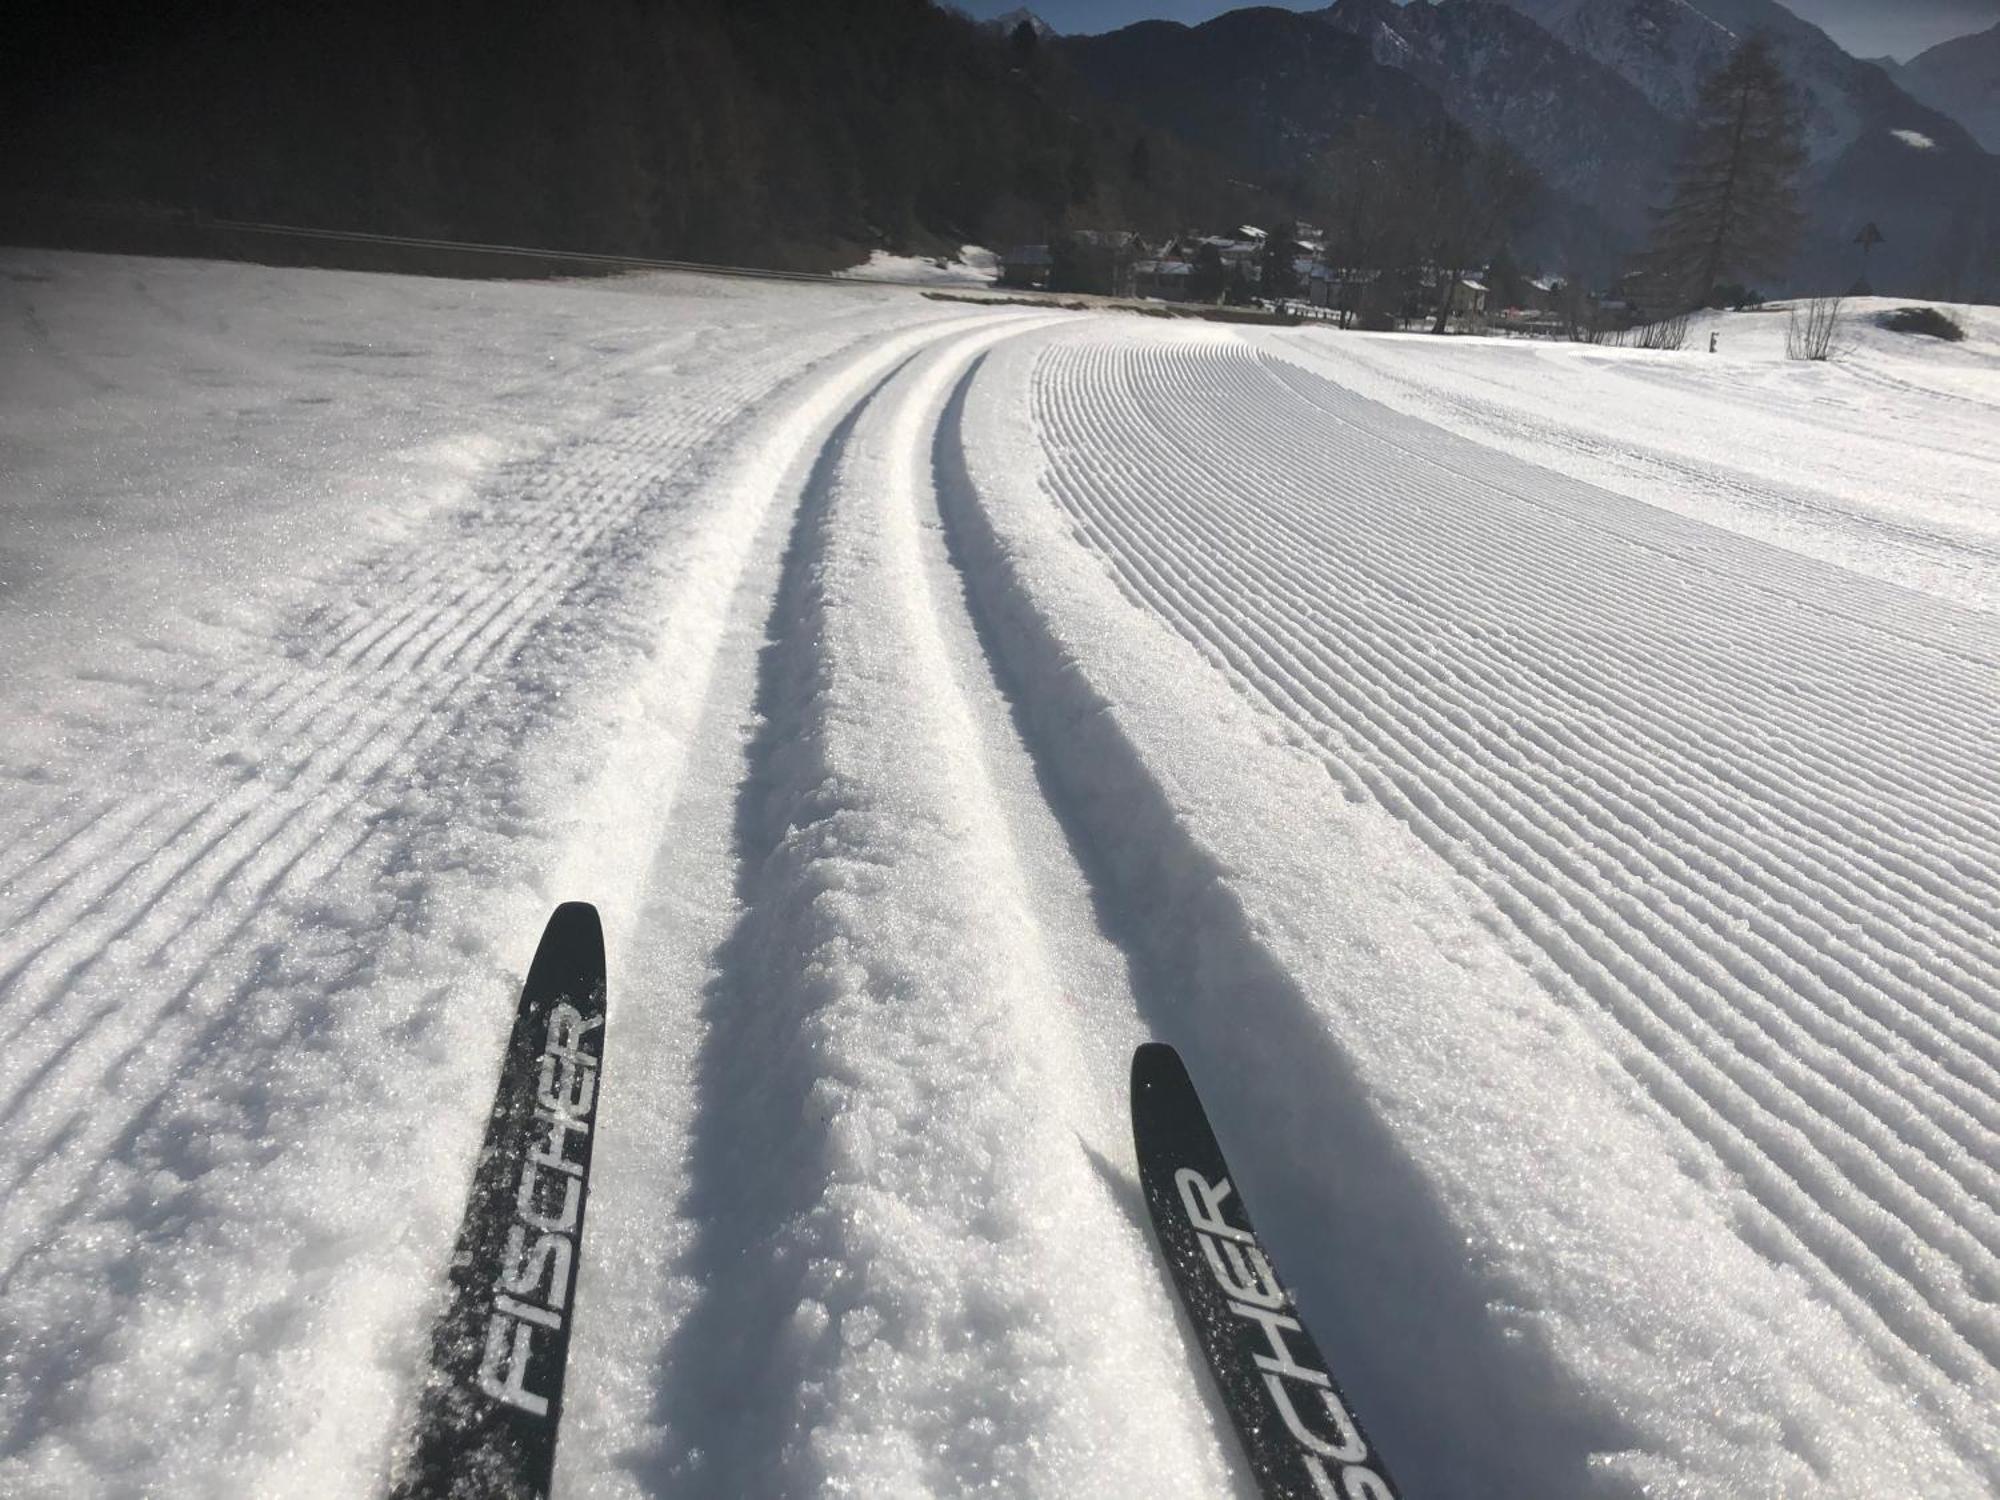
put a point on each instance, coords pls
(775, 131)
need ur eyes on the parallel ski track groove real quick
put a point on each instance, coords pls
(386, 683)
(1784, 1022)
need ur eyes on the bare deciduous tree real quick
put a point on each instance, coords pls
(1436, 198)
(1471, 195)
(1669, 333)
(1814, 331)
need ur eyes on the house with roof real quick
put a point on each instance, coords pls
(1244, 255)
(1164, 278)
(1026, 266)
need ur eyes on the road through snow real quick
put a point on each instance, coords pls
(1579, 917)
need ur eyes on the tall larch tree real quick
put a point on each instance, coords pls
(1735, 206)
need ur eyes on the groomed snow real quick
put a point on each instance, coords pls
(1546, 793)
(1881, 461)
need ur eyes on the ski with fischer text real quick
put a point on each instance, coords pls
(1299, 1432)
(488, 1413)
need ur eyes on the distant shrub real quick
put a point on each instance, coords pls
(1666, 333)
(1814, 330)
(1927, 321)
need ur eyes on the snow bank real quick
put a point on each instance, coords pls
(975, 266)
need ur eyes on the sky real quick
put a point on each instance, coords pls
(1867, 28)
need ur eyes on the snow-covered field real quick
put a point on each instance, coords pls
(1879, 462)
(1547, 794)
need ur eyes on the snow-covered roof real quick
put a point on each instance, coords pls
(1915, 139)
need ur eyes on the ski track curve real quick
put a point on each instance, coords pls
(1744, 803)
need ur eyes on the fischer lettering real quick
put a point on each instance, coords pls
(539, 1269)
(1240, 1268)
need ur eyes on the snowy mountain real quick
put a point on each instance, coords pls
(1593, 93)
(1666, 48)
(1587, 129)
(1271, 89)
(1962, 78)
(1876, 153)
(1663, 47)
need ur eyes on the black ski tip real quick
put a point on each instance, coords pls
(1160, 1082)
(1156, 1062)
(575, 922)
(575, 911)
(570, 958)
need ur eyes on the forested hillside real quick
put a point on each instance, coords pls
(771, 131)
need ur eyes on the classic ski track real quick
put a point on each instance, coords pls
(365, 710)
(1867, 1075)
(1886, 381)
(666, 835)
(861, 617)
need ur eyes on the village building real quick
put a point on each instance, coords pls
(1165, 279)
(1026, 266)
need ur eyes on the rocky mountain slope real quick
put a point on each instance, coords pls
(1666, 47)
(1590, 132)
(1962, 78)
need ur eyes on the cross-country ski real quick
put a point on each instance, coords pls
(1298, 1428)
(491, 1407)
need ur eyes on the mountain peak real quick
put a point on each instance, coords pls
(1019, 16)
